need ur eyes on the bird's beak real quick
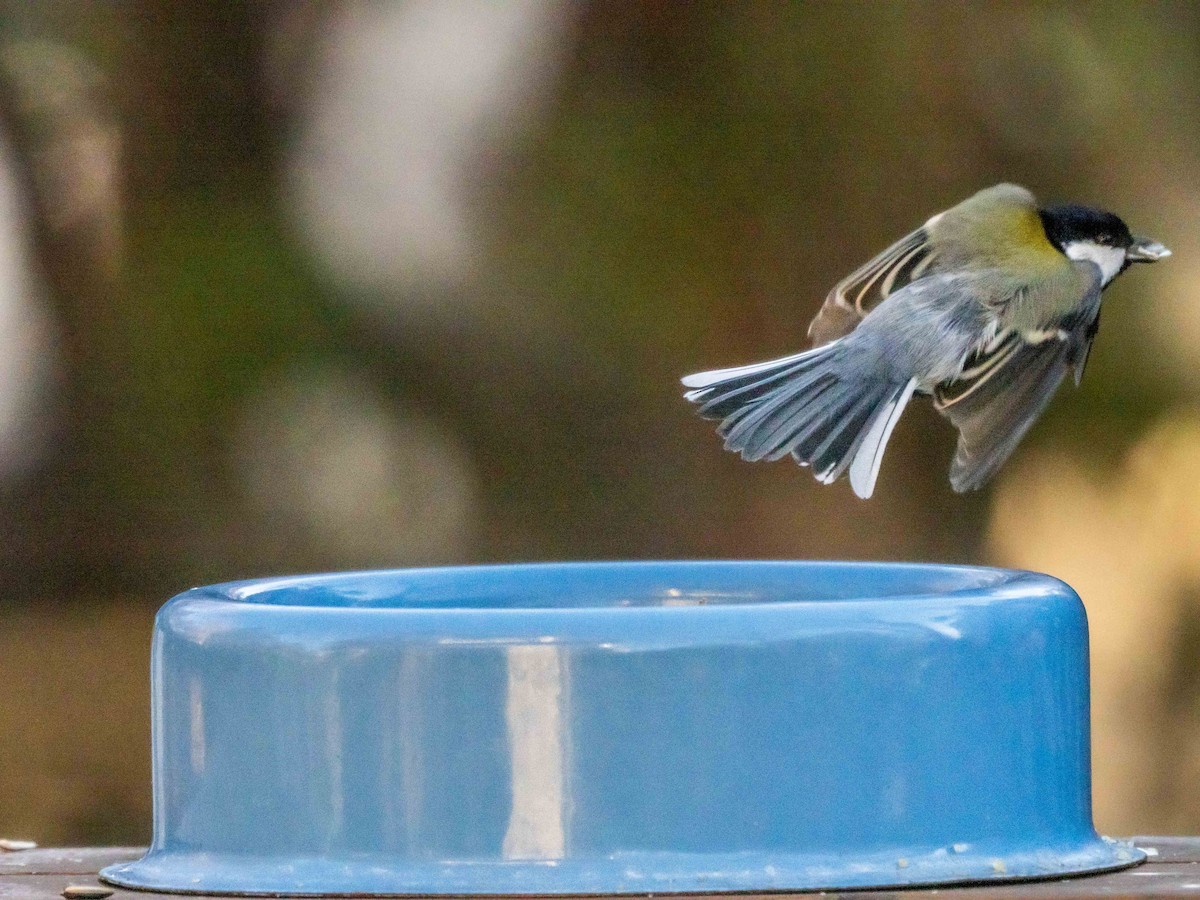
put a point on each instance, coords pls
(1143, 249)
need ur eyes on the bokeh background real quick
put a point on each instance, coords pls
(292, 286)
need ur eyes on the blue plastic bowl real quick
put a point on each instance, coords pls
(621, 727)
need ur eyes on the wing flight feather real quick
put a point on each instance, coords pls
(1006, 385)
(866, 287)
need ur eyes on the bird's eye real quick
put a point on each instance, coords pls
(1104, 239)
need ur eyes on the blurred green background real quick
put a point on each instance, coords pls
(292, 286)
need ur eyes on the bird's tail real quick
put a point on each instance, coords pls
(819, 406)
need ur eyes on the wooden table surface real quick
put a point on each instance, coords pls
(1173, 870)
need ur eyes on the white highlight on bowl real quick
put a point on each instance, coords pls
(536, 827)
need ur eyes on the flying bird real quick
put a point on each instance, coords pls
(985, 308)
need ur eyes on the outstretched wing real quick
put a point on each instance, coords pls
(1006, 386)
(865, 288)
(970, 227)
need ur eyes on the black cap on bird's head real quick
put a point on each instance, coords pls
(1074, 225)
(1067, 224)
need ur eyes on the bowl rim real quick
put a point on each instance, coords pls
(494, 588)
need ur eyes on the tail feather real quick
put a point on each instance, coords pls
(770, 422)
(722, 392)
(840, 455)
(730, 377)
(831, 423)
(815, 406)
(785, 437)
(864, 468)
(843, 438)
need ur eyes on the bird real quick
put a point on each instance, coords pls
(985, 308)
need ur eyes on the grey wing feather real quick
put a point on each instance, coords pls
(997, 412)
(868, 286)
(1004, 389)
(1085, 355)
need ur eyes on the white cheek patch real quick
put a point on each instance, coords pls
(1109, 259)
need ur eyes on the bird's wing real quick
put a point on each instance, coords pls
(865, 288)
(1006, 385)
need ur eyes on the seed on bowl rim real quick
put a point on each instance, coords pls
(10, 846)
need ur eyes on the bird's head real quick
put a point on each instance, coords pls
(1095, 235)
